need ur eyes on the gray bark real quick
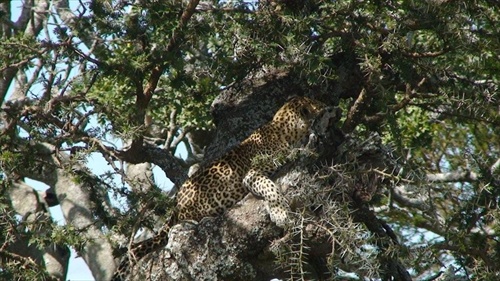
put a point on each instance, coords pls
(74, 197)
(29, 204)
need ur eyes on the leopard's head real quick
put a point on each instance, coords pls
(296, 116)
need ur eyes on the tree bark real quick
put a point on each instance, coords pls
(74, 195)
(29, 204)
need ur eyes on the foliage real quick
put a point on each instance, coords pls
(112, 77)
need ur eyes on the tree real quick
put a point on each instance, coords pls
(406, 185)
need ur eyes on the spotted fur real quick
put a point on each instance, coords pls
(226, 181)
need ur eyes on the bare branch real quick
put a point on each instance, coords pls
(400, 196)
(354, 114)
(426, 54)
(175, 143)
(495, 168)
(28, 203)
(39, 18)
(172, 128)
(77, 207)
(174, 168)
(24, 17)
(465, 176)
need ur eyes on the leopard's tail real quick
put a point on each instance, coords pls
(141, 249)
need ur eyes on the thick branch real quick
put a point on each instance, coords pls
(40, 14)
(77, 208)
(171, 165)
(399, 195)
(465, 176)
(28, 203)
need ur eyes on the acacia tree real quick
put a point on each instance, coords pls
(405, 185)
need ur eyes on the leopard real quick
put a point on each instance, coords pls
(247, 168)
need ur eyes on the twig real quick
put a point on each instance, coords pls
(177, 140)
(172, 128)
(354, 114)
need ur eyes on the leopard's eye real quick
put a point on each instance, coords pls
(305, 112)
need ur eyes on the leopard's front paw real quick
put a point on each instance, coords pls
(279, 215)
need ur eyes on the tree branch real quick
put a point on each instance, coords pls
(175, 40)
(31, 26)
(173, 167)
(77, 207)
(399, 195)
(467, 251)
(465, 176)
(28, 203)
(394, 269)
(354, 114)
(143, 96)
(40, 14)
